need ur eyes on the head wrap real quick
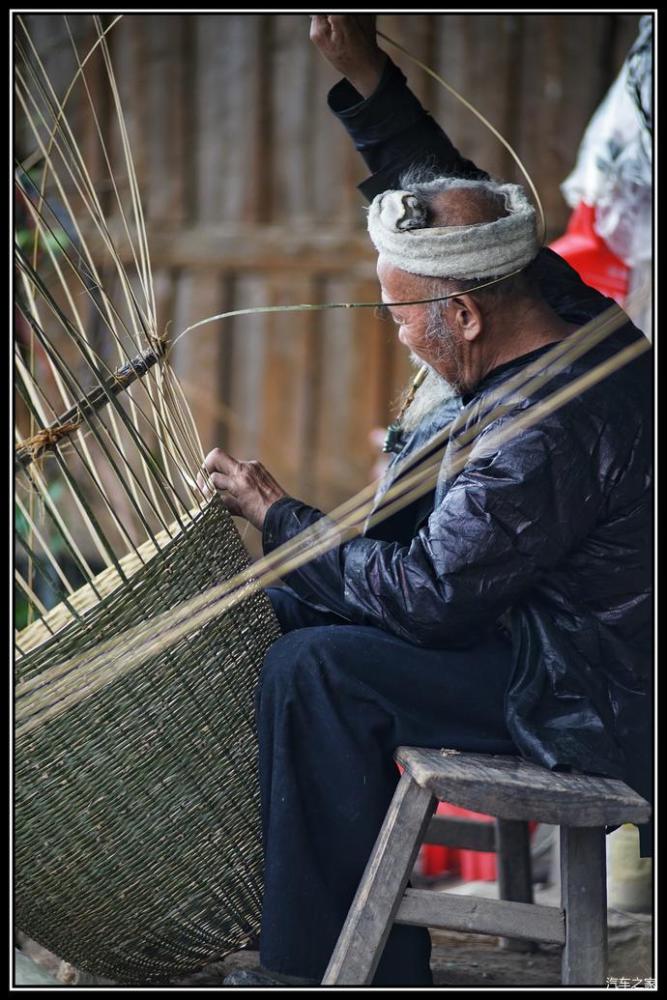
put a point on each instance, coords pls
(397, 225)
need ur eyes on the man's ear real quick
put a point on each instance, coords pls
(467, 316)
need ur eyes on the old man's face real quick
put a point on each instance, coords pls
(412, 321)
(438, 348)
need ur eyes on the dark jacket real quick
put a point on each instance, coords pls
(550, 533)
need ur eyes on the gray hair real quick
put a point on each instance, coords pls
(426, 184)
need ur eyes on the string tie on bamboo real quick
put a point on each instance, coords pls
(398, 227)
(46, 439)
(159, 342)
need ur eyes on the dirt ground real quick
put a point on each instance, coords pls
(483, 961)
(457, 959)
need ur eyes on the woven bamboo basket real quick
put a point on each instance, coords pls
(138, 852)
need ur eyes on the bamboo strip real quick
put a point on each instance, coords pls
(164, 429)
(103, 584)
(141, 268)
(95, 399)
(30, 594)
(82, 676)
(94, 210)
(46, 548)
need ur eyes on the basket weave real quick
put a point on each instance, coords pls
(137, 830)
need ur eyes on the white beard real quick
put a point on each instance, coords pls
(433, 391)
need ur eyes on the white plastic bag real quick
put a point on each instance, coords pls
(613, 169)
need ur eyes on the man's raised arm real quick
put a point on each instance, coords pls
(386, 122)
(393, 132)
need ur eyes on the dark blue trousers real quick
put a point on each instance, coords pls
(333, 702)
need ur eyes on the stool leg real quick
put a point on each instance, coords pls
(583, 868)
(515, 881)
(371, 915)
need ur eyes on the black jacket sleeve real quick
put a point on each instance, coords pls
(509, 517)
(392, 131)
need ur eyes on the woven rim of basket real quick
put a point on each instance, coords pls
(103, 585)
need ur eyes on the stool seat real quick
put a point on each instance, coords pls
(513, 788)
(514, 791)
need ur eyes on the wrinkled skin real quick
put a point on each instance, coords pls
(348, 42)
(247, 488)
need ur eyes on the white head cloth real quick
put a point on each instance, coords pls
(397, 220)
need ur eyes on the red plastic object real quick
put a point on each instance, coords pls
(472, 866)
(590, 256)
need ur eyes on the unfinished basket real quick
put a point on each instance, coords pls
(137, 832)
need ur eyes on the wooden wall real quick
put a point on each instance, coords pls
(249, 182)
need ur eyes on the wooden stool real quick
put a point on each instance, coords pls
(515, 791)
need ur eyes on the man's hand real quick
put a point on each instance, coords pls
(246, 488)
(348, 42)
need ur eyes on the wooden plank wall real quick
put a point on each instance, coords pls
(249, 189)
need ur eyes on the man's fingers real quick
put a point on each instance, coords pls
(217, 473)
(220, 481)
(352, 23)
(222, 484)
(320, 28)
(338, 23)
(245, 488)
(219, 461)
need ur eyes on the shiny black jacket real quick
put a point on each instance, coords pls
(549, 533)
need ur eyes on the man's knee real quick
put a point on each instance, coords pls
(291, 658)
(310, 663)
(289, 670)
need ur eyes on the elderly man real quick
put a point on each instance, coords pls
(508, 610)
